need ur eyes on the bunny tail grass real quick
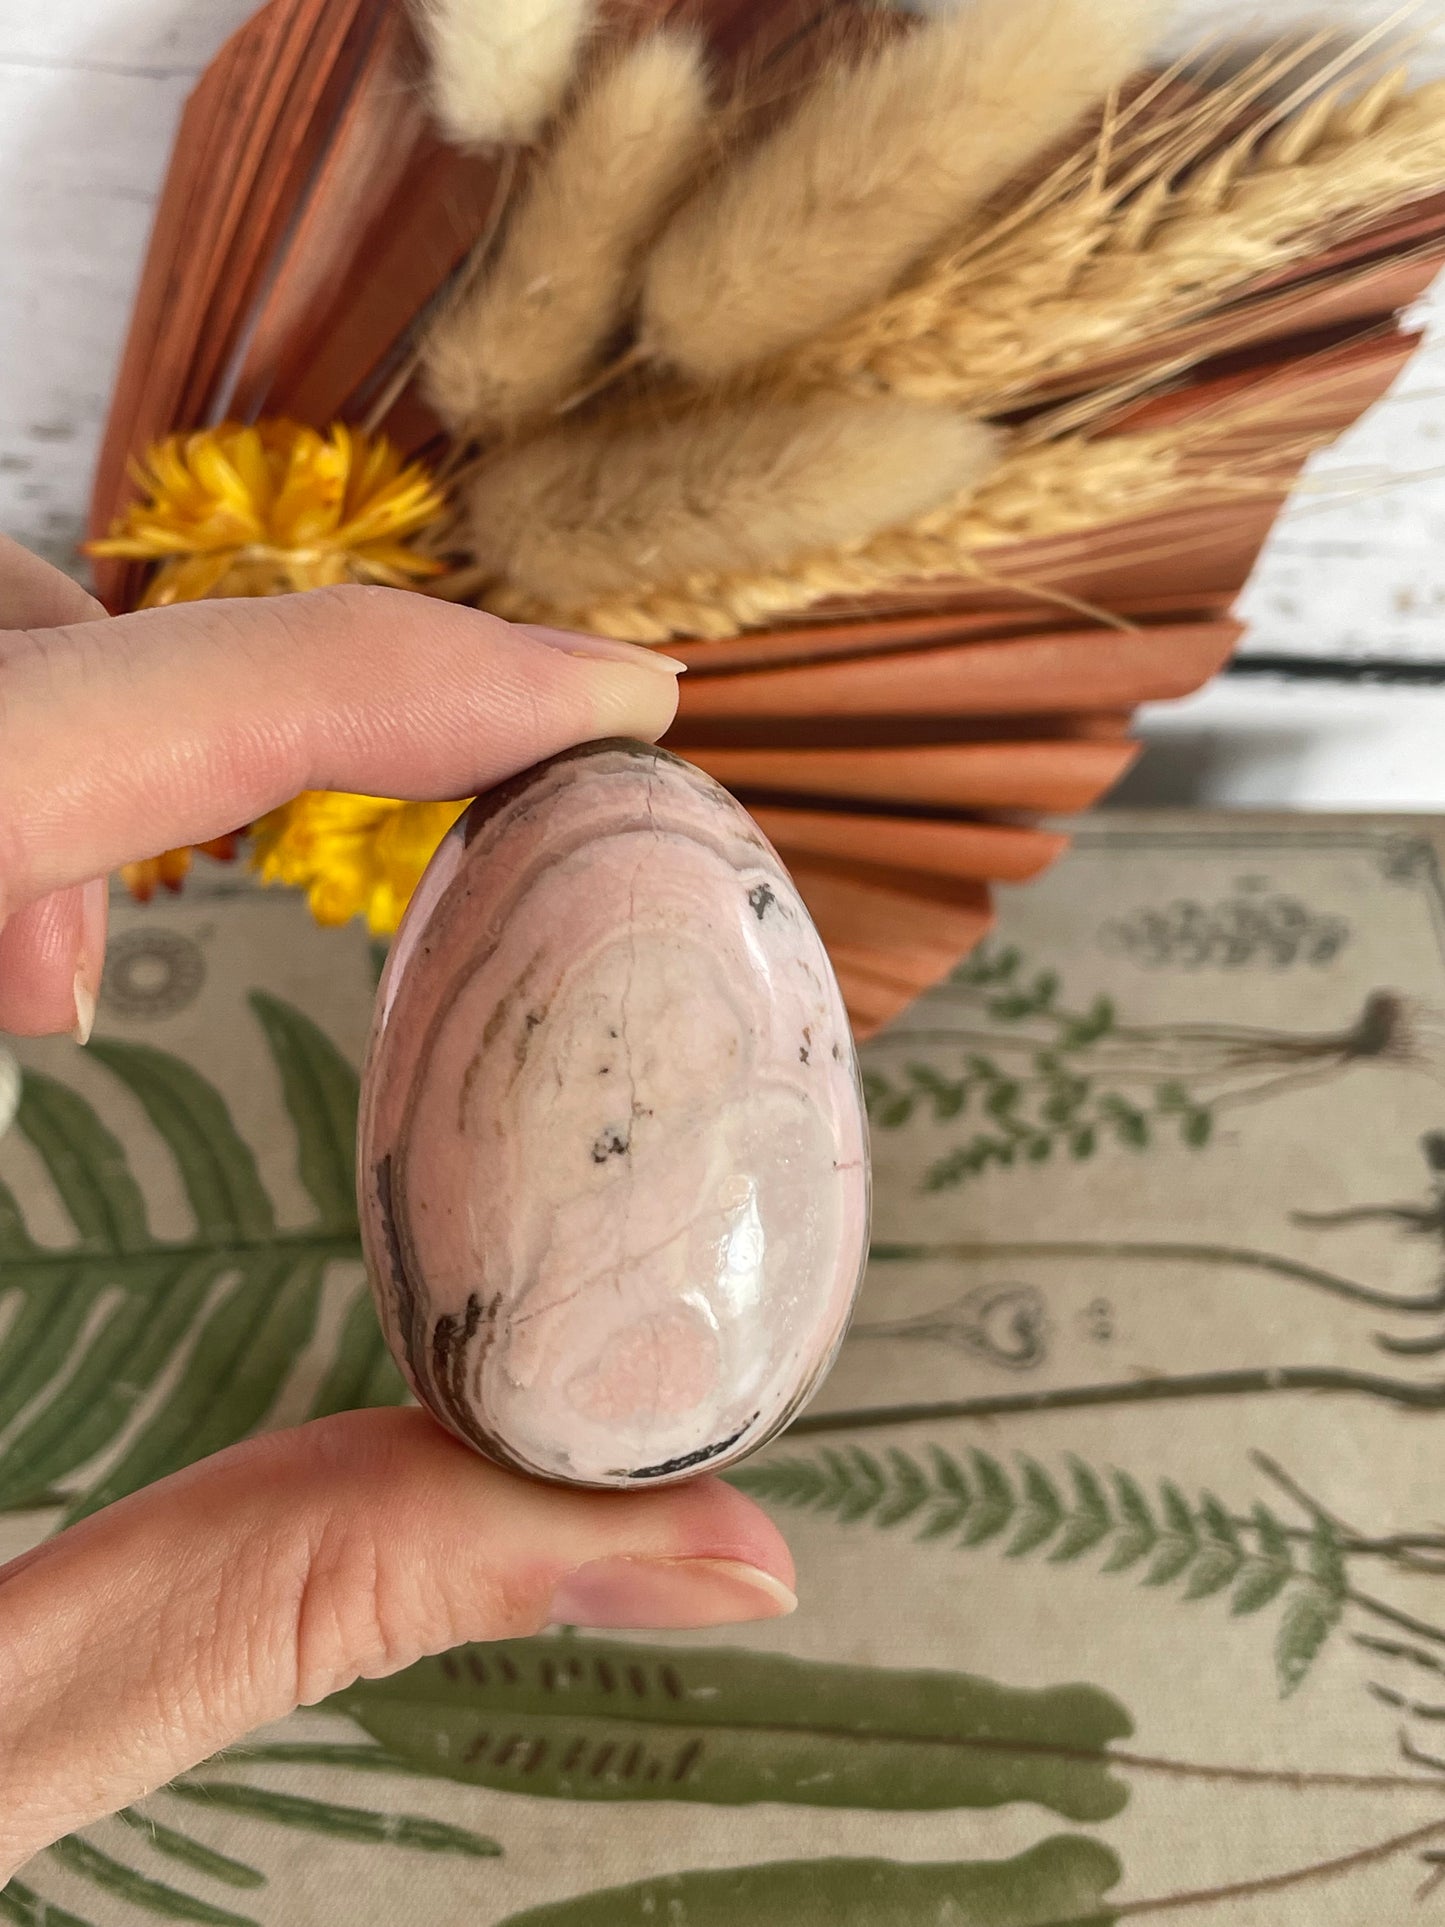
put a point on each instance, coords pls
(591, 511)
(1031, 494)
(883, 158)
(522, 342)
(499, 68)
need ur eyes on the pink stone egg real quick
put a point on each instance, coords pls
(613, 1159)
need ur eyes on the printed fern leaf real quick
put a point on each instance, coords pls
(1164, 1542)
(359, 1824)
(221, 1313)
(1051, 1081)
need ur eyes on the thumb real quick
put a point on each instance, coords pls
(161, 1630)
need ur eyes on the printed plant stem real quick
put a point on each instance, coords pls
(1398, 1649)
(1269, 1381)
(1398, 1703)
(1116, 1759)
(1396, 1546)
(1315, 1875)
(985, 1040)
(1407, 1622)
(1244, 1036)
(1271, 1087)
(1225, 1257)
(1094, 1060)
(1430, 1347)
(1099, 1067)
(1400, 1553)
(359, 1759)
(1267, 1776)
(335, 1249)
(1400, 1548)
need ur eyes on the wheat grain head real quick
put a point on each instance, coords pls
(1098, 274)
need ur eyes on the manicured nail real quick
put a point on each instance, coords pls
(84, 1010)
(9, 1090)
(605, 649)
(640, 1595)
(90, 964)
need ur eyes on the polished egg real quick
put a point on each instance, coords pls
(613, 1160)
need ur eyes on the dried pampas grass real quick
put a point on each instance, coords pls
(882, 159)
(519, 344)
(1094, 275)
(588, 512)
(499, 68)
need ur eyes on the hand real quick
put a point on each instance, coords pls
(160, 1630)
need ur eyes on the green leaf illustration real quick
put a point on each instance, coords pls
(993, 1507)
(322, 1094)
(25, 1907)
(1041, 1080)
(1089, 1520)
(585, 1719)
(1221, 1553)
(154, 1896)
(328, 1753)
(1040, 1515)
(191, 1853)
(223, 1311)
(340, 1822)
(1036, 1095)
(1314, 1609)
(1268, 1569)
(1178, 1538)
(975, 1500)
(363, 1373)
(1061, 1881)
(1135, 1533)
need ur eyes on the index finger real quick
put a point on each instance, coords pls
(121, 739)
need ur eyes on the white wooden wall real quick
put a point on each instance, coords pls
(90, 92)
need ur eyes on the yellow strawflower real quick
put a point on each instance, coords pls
(265, 510)
(352, 855)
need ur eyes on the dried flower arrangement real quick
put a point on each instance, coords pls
(928, 384)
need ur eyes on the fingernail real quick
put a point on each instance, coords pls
(642, 1595)
(84, 1010)
(90, 964)
(605, 649)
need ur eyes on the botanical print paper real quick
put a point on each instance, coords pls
(1120, 1525)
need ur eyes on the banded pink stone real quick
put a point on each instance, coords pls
(613, 1160)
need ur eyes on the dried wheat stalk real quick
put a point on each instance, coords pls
(882, 158)
(521, 342)
(590, 511)
(1094, 274)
